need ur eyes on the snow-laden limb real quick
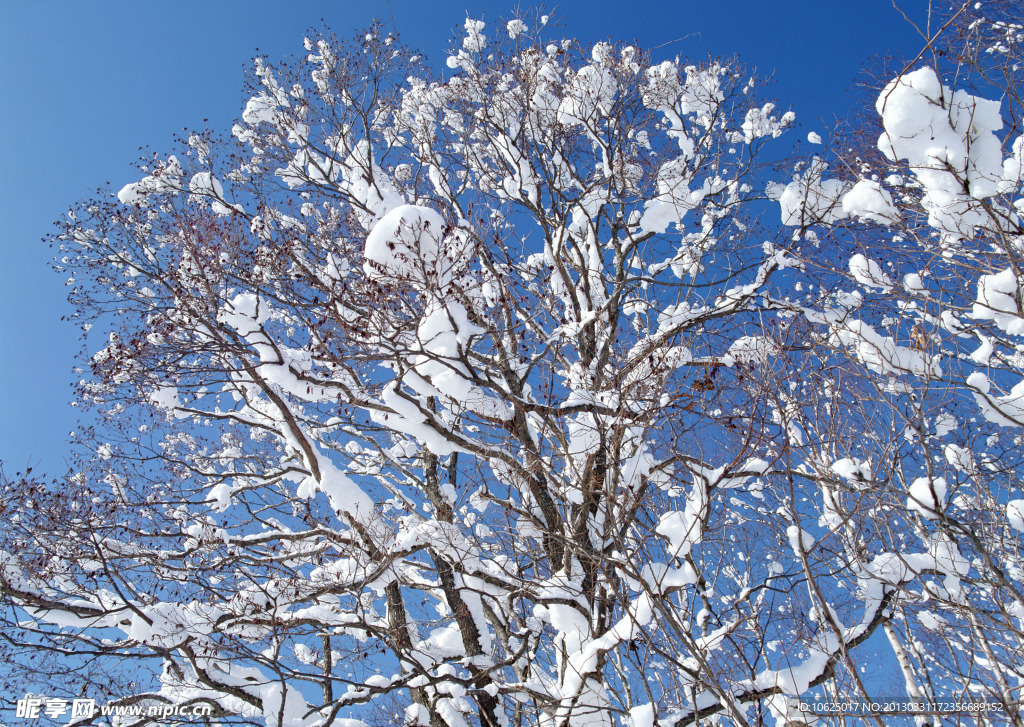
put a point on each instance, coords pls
(868, 273)
(868, 200)
(1006, 411)
(404, 245)
(882, 354)
(205, 185)
(927, 496)
(166, 178)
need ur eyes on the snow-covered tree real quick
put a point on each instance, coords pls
(503, 398)
(922, 481)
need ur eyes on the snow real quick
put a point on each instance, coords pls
(799, 540)
(685, 528)
(205, 185)
(849, 469)
(1006, 411)
(475, 40)
(945, 423)
(882, 354)
(165, 397)
(927, 496)
(591, 92)
(641, 716)
(1013, 168)
(913, 284)
(999, 300)
(811, 198)
(867, 200)
(406, 416)
(404, 245)
(959, 457)
(166, 179)
(869, 273)
(1015, 515)
(760, 122)
(364, 180)
(948, 138)
(758, 350)
(674, 199)
(516, 28)
(813, 137)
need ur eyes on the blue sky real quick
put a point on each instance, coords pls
(84, 85)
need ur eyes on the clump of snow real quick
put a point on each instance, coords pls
(475, 40)
(927, 496)
(814, 137)
(799, 539)
(364, 180)
(591, 91)
(945, 423)
(811, 198)
(166, 178)
(205, 185)
(913, 284)
(867, 200)
(948, 139)
(685, 528)
(760, 122)
(882, 354)
(999, 300)
(746, 350)
(674, 199)
(959, 458)
(869, 273)
(641, 716)
(1015, 515)
(516, 28)
(1013, 167)
(852, 470)
(786, 710)
(405, 245)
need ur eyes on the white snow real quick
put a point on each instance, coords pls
(882, 354)
(516, 28)
(757, 350)
(947, 138)
(1015, 515)
(760, 122)
(590, 92)
(205, 186)
(165, 179)
(869, 273)
(869, 201)
(404, 245)
(475, 40)
(927, 496)
(1007, 411)
(999, 300)
(810, 198)
(850, 469)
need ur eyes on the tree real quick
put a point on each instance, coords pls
(491, 399)
(925, 227)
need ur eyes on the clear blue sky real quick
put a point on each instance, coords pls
(83, 85)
